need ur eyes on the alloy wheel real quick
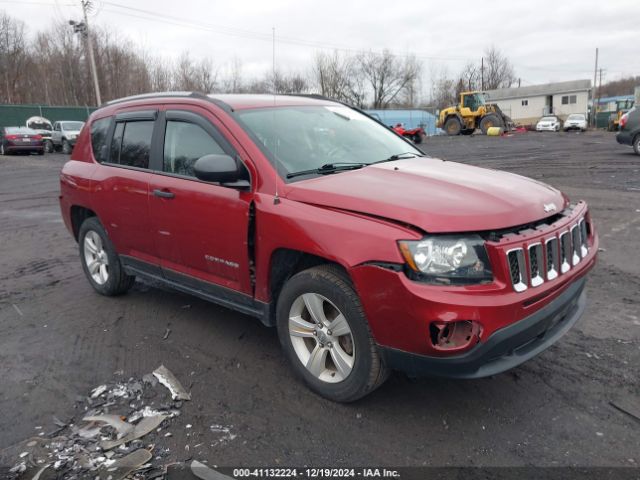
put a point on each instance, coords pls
(95, 257)
(321, 337)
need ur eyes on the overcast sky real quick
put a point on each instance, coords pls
(547, 40)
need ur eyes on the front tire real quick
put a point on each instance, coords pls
(636, 144)
(452, 126)
(66, 147)
(325, 335)
(100, 261)
(48, 146)
(417, 138)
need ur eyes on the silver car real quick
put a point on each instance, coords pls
(64, 136)
(576, 121)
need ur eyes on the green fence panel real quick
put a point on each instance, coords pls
(16, 115)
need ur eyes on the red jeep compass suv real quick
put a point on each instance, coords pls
(365, 254)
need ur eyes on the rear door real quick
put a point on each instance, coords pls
(122, 185)
(201, 229)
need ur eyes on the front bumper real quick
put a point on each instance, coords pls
(504, 349)
(23, 148)
(546, 129)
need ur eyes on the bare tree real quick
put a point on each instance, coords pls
(13, 56)
(338, 76)
(388, 75)
(498, 70)
(443, 89)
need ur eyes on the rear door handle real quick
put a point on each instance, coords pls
(163, 194)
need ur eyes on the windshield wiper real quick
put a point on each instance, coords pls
(328, 168)
(397, 156)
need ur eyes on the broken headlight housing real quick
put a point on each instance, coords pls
(447, 259)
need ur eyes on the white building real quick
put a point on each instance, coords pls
(525, 105)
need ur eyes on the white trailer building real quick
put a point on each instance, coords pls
(525, 105)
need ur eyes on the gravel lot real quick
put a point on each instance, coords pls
(58, 339)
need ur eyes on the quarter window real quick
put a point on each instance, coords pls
(99, 130)
(184, 143)
(131, 143)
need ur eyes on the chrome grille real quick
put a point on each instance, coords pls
(535, 262)
(517, 267)
(546, 260)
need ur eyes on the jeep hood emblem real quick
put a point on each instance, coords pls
(549, 207)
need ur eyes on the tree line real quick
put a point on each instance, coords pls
(52, 67)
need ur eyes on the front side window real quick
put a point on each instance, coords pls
(71, 126)
(131, 143)
(301, 138)
(184, 143)
(99, 130)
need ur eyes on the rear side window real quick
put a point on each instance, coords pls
(131, 143)
(99, 130)
(184, 143)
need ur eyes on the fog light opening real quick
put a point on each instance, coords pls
(454, 335)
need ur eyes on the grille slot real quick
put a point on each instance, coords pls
(536, 264)
(552, 258)
(517, 269)
(576, 254)
(584, 247)
(565, 252)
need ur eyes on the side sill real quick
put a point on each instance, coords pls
(207, 291)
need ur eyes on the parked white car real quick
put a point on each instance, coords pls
(550, 123)
(576, 121)
(65, 134)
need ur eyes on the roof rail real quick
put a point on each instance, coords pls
(154, 95)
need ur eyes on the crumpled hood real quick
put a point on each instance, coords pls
(434, 195)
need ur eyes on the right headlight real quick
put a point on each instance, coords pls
(447, 259)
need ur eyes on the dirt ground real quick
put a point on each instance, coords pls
(59, 339)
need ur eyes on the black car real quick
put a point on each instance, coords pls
(629, 133)
(20, 139)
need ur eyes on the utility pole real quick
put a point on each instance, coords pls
(593, 96)
(83, 29)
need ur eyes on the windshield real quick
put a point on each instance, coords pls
(548, 119)
(40, 125)
(71, 126)
(304, 138)
(576, 116)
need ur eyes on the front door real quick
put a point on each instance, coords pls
(201, 229)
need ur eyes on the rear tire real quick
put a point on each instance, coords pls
(452, 126)
(636, 144)
(342, 364)
(66, 147)
(417, 138)
(100, 261)
(490, 120)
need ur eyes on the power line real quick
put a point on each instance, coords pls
(232, 31)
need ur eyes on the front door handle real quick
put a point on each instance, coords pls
(163, 194)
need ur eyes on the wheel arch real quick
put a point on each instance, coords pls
(78, 214)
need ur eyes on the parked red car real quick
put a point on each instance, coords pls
(367, 255)
(20, 139)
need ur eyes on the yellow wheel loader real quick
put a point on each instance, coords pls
(472, 112)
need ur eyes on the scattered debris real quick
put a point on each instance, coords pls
(146, 425)
(18, 310)
(123, 428)
(126, 465)
(117, 433)
(203, 472)
(166, 378)
(166, 333)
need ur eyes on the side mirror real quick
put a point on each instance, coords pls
(221, 169)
